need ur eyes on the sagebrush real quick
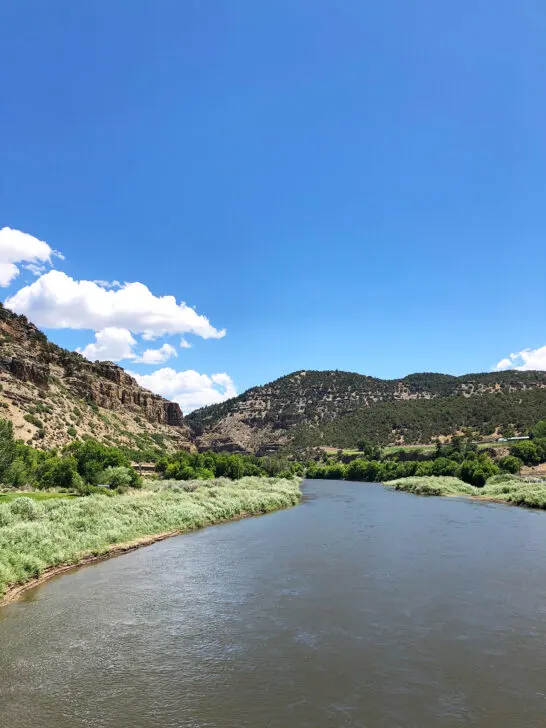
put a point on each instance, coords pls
(35, 535)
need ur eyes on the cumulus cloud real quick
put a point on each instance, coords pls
(18, 247)
(189, 388)
(58, 301)
(118, 313)
(8, 271)
(526, 360)
(157, 356)
(112, 343)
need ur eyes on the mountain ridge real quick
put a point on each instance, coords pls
(307, 406)
(53, 395)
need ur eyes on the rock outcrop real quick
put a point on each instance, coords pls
(50, 392)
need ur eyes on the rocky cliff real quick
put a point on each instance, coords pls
(53, 395)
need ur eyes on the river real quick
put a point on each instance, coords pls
(360, 607)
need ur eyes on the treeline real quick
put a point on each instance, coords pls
(189, 466)
(83, 465)
(460, 459)
(422, 420)
(80, 466)
(475, 469)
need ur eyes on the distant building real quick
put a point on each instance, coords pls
(511, 439)
(143, 468)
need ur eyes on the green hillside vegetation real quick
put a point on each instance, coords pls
(307, 409)
(315, 385)
(421, 420)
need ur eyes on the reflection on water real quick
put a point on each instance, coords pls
(361, 607)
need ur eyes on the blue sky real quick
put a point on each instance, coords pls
(351, 185)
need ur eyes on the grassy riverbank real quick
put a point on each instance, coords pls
(36, 536)
(508, 488)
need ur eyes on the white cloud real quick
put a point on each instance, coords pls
(503, 364)
(526, 360)
(8, 271)
(157, 356)
(120, 314)
(19, 247)
(108, 284)
(58, 301)
(35, 268)
(190, 389)
(112, 344)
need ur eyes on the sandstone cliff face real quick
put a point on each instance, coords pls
(49, 392)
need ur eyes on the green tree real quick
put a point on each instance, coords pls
(527, 451)
(443, 466)
(538, 432)
(235, 467)
(60, 473)
(92, 457)
(17, 474)
(510, 464)
(118, 476)
(368, 449)
(7, 447)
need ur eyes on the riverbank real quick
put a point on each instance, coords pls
(512, 489)
(39, 540)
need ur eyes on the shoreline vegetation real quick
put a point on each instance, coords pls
(87, 501)
(39, 539)
(505, 488)
(461, 460)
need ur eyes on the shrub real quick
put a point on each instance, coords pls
(25, 508)
(117, 476)
(510, 464)
(360, 469)
(17, 474)
(6, 516)
(477, 472)
(204, 474)
(539, 430)
(34, 421)
(71, 528)
(443, 466)
(526, 451)
(433, 486)
(60, 473)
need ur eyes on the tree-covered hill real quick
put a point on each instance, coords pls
(336, 408)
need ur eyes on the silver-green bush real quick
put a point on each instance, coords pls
(38, 535)
(521, 491)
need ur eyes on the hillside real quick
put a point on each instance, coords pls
(53, 395)
(309, 408)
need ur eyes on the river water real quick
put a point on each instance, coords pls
(361, 607)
